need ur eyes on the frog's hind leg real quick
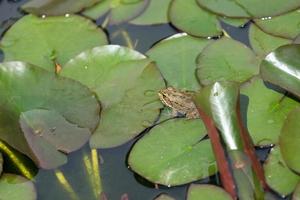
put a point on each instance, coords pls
(192, 115)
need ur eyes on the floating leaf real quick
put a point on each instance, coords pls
(44, 42)
(119, 11)
(47, 131)
(237, 22)
(282, 67)
(219, 62)
(56, 7)
(155, 13)
(68, 98)
(266, 111)
(13, 187)
(172, 153)
(197, 22)
(205, 191)
(263, 43)
(249, 9)
(289, 140)
(175, 57)
(164, 197)
(279, 177)
(127, 85)
(291, 22)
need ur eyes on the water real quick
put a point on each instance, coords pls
(117, 178)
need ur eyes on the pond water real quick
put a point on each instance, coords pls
(117, 179)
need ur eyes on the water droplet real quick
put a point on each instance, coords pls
(44, 16)
(149, 93)
(169, 185)
(85, 67)
(38, 132)
(67, 15)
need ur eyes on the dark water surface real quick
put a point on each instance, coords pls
(117, 179)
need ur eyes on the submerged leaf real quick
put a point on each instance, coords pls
(44, 42)
(282, 67)
(289, 140)
(205, 191)
(47, 132)
(68, 98)
(172, 153)
(127, 84)
(279, 177)
(175, 57)
(57, 7)
(14, 187)
(266, 111)
(219, 62)
(249, 9)
(197, 22)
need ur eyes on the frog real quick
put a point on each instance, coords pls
(180, 101)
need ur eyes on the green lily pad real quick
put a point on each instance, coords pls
(236, 22)
(49, 134)
(13, 187)
(289, 140)
(164, 197)
(282, 67)
(278, 176)
(205, 191)
(250, 9)
(263, 43)
(56, 7)
(219, 62)
(119, 10)
(175, 57)
(296, 194)
(127, 85)
(197, 22)
(68, 98)
(291, 22)
(155, 13)
(266, 111)
(44, 42)
(172, 153)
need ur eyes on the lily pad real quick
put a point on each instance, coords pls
(205, 191)
(250, 9)
(172, 153)
(291, 22)
(263, 43)
(219, 62)
(49, 134)
(119, 10)
(289, 140)
(278, 176)
(127, 85)
(164, 197)
(197, 22)
(155, 13)
(44, 42)
(175, 57)
(266, 112)
(56, 7)
(282, 67)
(68, 98)
(13, 187)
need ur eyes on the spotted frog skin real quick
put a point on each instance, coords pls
(180, 102)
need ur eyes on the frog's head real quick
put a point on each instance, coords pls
(165, 95)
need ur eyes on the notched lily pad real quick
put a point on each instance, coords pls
(175, 57)
(278, 176)
(49, 134)
(197, 22)
(172, 153)
(127, 84)
(289, 140)
(56, 7)
(219, 62)
(44, 42)
(266, 112)
(118, 10)
(15, 187)
(205, 191)
(67, 98)
(282, 67)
